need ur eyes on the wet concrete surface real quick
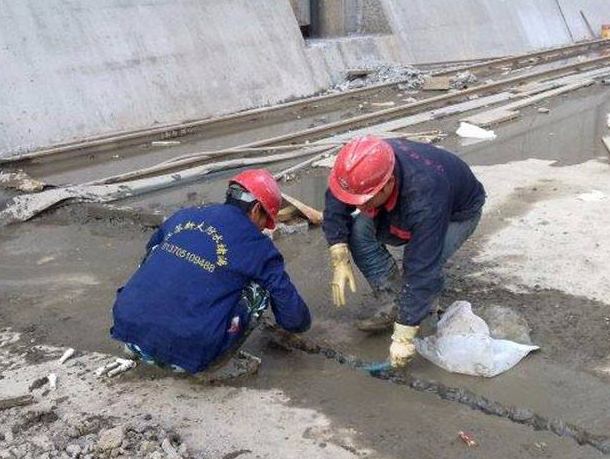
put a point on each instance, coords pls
(58, 275)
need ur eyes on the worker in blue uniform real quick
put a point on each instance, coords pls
(399, 193)
(208, 275)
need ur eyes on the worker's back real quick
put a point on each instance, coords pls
(182, 304)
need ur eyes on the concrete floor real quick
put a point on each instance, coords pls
(538, 250)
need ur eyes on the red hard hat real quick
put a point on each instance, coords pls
(264, 188)
(363, 166)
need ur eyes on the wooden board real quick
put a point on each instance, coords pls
(491, 117)
(313, 215)
(438, 83)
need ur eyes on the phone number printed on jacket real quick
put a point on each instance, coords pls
(221, 249)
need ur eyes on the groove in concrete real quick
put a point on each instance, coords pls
(461, 395)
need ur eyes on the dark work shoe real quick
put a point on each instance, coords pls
(384, 317)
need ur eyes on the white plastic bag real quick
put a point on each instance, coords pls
(470, 131)
(462, 344)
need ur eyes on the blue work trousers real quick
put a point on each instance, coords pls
(375, 261)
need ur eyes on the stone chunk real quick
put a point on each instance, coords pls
(505, 323)
(111, 439)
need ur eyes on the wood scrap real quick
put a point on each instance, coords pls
(191, 160)
(489, 117)
(353, 74)
(383, 104)
(437, 83)
(313, 215)
(24, 207)
(510, 111)
(22, 400)
(286, 213)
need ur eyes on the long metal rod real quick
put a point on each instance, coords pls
(112, 140)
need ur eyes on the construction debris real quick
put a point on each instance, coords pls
(471, 131)
(104, 369)
(467, 438)
(462, 80)
(115, 368)
(593, 196)
(22, 400)
(383, 104)
(291, 228)
(353, 74)
(409, 77)
(38, 383)
(544, 110)
(124, 365)
(52, 381)
(164, 143)
(69, 353)
(438, 83)
(313, 215)
(510, 111)
(20, 181)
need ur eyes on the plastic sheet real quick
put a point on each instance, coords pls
(462, 344)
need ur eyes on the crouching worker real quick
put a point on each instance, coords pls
(409, 194)
(208, 275)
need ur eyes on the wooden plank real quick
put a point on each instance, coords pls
(313, 215)
(437, 83)
(490, 117)
(539, 86)
(22, 400)
(511, 111)
(423, 117)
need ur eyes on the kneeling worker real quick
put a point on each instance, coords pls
(409, 194)
(208, 275)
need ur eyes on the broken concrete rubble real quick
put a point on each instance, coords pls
(410, 78)
(463, 80)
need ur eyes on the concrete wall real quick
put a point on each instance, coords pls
(340, 18)
(73, 68)
(333, 56)
(444, 30)
(597, 13)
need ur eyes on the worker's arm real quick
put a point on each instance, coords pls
(337, 223)
(291, 312)
(422, 263)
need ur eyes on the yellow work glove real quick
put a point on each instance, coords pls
(402, 349)
(342, 272)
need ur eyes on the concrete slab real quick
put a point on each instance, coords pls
(141, 64)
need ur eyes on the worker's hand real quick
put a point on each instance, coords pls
(342, 272)
(402, 349)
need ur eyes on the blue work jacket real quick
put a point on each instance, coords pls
(434, 187)
(180, 305)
